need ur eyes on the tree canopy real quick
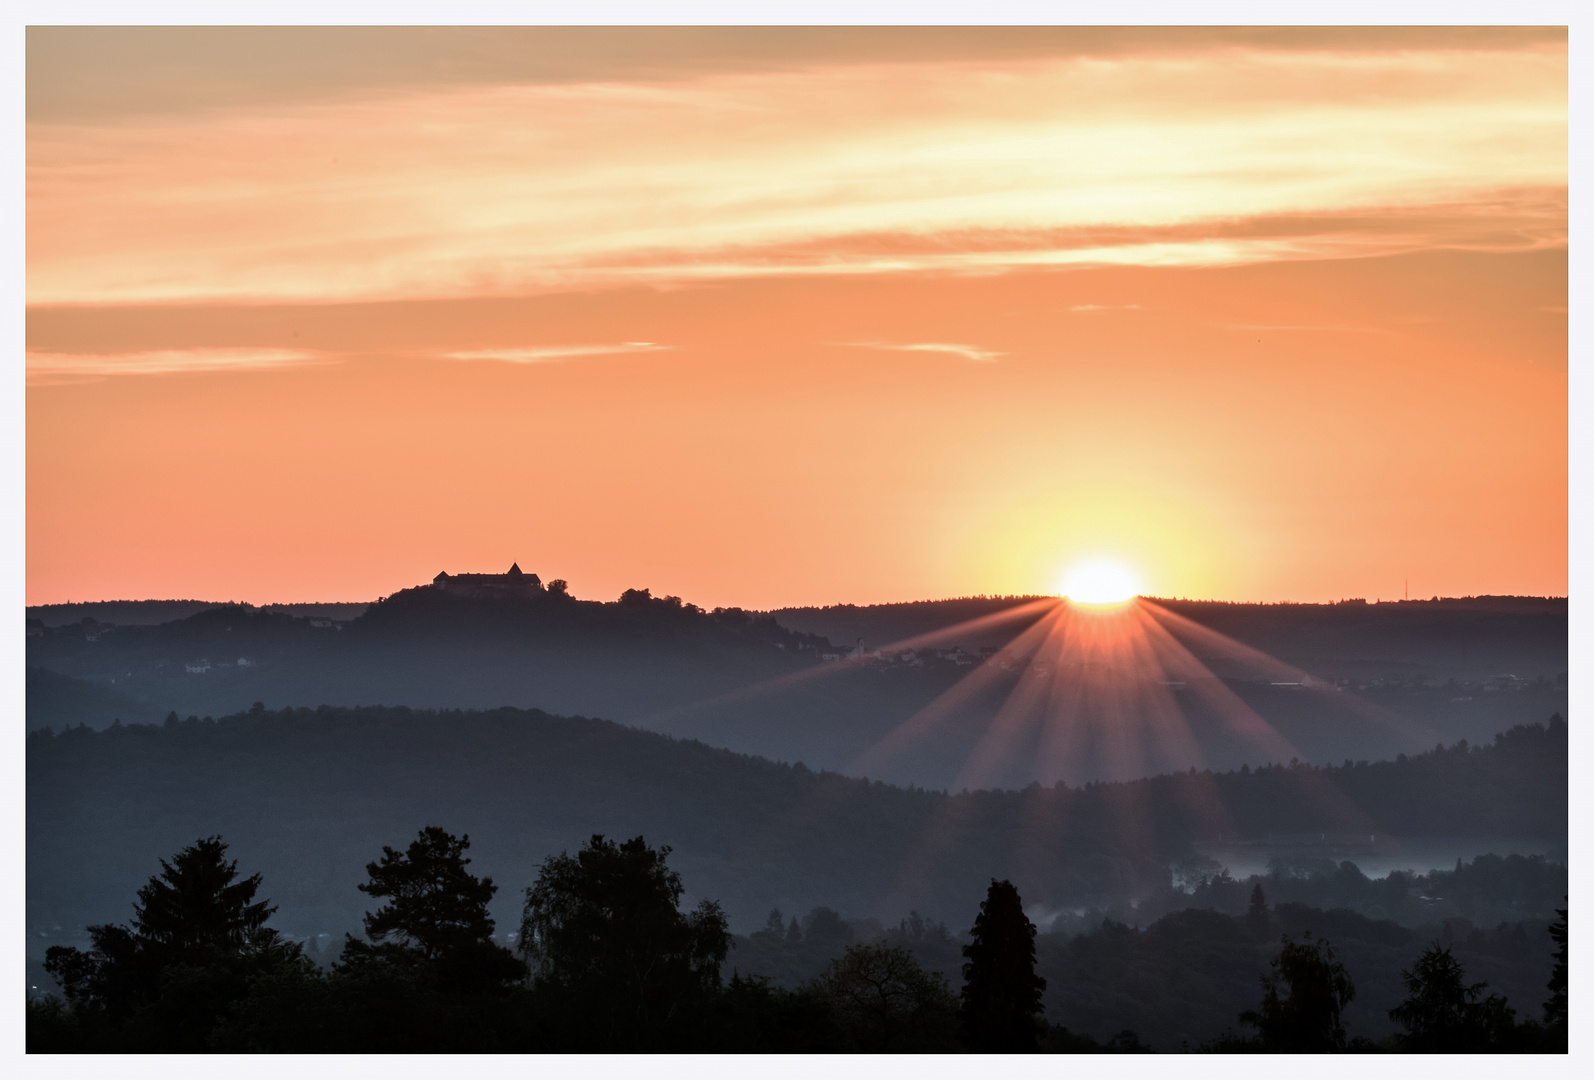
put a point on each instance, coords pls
(1443, 1014)
(1302, 1000)
(603, 930)
(436, 913)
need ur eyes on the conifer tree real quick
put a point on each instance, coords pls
(1442, 1014)
(1555, 1019)
(436, 917)
(1256, 917)
(197, 903)
(197, 937)
(1001, 999)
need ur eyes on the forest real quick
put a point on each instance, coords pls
(753, 834)
(607, 958)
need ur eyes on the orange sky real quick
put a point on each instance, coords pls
(778, 317)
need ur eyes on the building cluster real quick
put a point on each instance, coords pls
(488, 586)
(199, 667)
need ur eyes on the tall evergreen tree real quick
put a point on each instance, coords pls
(1555, 1019)
(197, 936)
(197, 903)
(1001, 999)
(1256, 916)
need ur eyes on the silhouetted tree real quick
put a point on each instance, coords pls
(197, 935)
(611, 948)
(885, 1002)
(794, 932)
(826, 929)
(1256, 916)
(751, 1016)
(1443, 1015)
(435, 918)
(1001, 999)
(1305, 1018)
(1555, 1019)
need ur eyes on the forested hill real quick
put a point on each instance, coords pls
(1469, 639)
(156, 612)
(309, 796)
(667, 665)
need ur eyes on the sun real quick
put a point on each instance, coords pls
(1100, 581)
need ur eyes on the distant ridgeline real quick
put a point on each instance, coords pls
(91, 617)
(481, 641)
(1469, 639)
(518, 605)
(309, 796)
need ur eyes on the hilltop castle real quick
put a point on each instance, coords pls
(488, 586)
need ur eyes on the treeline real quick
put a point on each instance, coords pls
(1490, 907)
(425, 614)
(607, 959)
(1487, 890)
(1513, 787)
(1184, 979)
(761, 835)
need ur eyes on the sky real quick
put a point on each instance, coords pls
(770, 317)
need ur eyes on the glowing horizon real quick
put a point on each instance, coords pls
(767, 318)
(1100, 582)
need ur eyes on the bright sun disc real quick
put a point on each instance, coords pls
(1100, 581)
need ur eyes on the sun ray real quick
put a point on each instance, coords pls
(820, 671)
(986, 675)
(1018, 714)
(1419, 734)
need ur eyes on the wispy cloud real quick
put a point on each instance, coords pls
(960, 167)
(967, 352)
(1088, 308)
(543, 354)
(1311, 328)
(49, 367)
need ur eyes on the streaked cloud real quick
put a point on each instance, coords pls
(967, 352)
(49, 367)
(543, 354)
(1194, 158)
(1311, 328)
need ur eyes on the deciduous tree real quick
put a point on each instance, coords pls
(885, 1002)
(1302, 1000)
(609, 945)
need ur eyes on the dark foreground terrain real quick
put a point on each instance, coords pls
(606, 957)
(1146, 935)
